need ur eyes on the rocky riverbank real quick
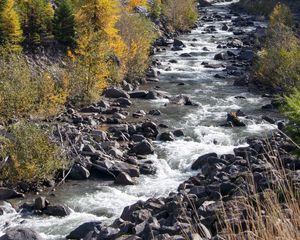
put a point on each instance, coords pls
(111, 140)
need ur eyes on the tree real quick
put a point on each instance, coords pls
(10, 28)
(63, 23)
(138, 33)
(100, 49)
(36, 21)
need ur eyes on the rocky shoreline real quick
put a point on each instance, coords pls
(110, 140)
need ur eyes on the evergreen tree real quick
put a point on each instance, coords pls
(64, 23)
(36, 20)
(10, 28)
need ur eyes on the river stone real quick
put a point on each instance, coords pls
(6, 193)
(79, 172)
(138, 94)
(143, 148)
(57, 211)
(199, 163)
(83, 230)
(124, 102)
(178, 133)
(137, 138)
(166, 136)
(124, 179)
(40, 203)
(155, 112)
(18, 233)
(115, 93)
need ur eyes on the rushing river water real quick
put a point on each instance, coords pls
(91, 200)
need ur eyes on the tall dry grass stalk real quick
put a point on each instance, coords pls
(269, 214)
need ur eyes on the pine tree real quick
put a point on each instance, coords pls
(36, 20)
(10, 28)
(63, 23)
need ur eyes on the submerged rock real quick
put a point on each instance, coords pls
(19, 233)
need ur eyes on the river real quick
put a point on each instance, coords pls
(102, 200)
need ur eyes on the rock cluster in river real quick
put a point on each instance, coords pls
(221, 179)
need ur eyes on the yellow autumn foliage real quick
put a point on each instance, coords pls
(138, 33)
(132, 4)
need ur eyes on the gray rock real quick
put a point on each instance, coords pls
(124, 102)
(178, 133)
(58, 211)
(221, 56)
(202, 160)
(115, 93)
(124, 179)
(155, 112)
(143, 148)
(40, 203)
(79, 172)
(99, 136)
(138, 94)
(83, 230)
(138, 138)
(21, 234)
(166, 136)
(6, 193)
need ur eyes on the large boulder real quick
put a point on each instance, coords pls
(6, 193)
(83, 230)
(40, 203)
(79, 172)
(143, 148)
(202, 160)
(124, 179)
(57, 211)
(115, 93)
(166, 136)
(21, 234)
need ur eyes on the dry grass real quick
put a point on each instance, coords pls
(264, 215)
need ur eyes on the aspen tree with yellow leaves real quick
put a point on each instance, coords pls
(10, 27)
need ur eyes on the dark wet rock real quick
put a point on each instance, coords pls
(99, 136)
(124, 102)
(40, 203)
(138, 114)
(115, 93)
(83, 230)
(182, 100)
(19, 233)
(178, 133)
(178, 43)
(7, 193)
(155, 112)
(213, 66)
(268, 119)
(124, 179)
(205, 49)
(202, 160)
(152, 95)
(137, 138)
(204, 3)
(221, 56)
(232, 117)
(79, 172)
(166, 136)
(143, 148)
(138, 94)
(91, 109)
(57, 211)
(185, 55)
(225, 27)
(173, 61)
(246, 55)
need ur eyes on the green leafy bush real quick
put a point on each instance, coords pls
(32, 156)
